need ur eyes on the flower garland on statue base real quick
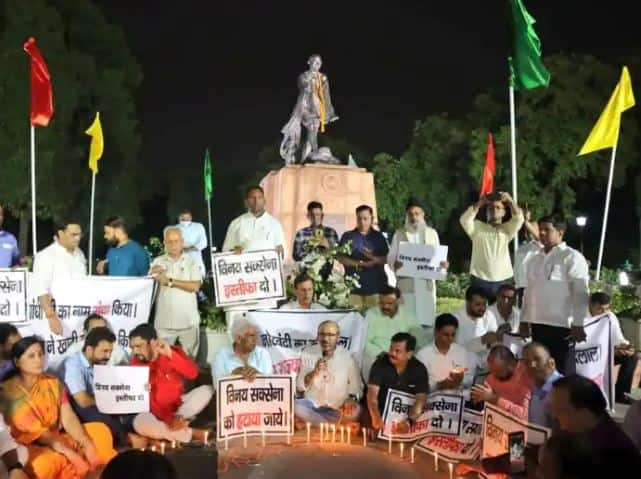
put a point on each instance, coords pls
(332, 286)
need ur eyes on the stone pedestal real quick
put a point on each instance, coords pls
(339, 188)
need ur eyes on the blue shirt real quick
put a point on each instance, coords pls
(301, 248)
(77, 374)
(130, 259)
(539, 411)
(226, 361)
(9, 254)
(371, 279)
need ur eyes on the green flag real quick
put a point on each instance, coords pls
(526, 67)
(207, 177)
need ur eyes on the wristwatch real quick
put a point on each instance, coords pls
(16, 465)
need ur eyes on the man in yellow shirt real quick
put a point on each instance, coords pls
(491, 266)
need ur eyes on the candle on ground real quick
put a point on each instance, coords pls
(412, 455)
(342, 434)
(349, 436)
(389, 439)
(401, 447)
(162, 448)
(436, 461)
(262, 433)
(309, 432)
(153, 448)
(364, 437)
(245, 438)
(451, 468)
(333, 432)
(321, 431)
(173, 444)
(226, 443)
(206, 440)
(289, 439)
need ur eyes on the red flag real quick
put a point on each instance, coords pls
(41, 94)
(487, 183)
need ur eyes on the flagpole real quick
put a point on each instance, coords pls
(605, 213)
(211, 243)
(34, 235)
(513, 151)
(93, 198)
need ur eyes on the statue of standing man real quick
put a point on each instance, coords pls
(313, 110)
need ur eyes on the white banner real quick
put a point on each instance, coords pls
(124, 302)
(247, 277)
(265, 405)
(464, 447)
(121, 389)
(13, 296)
(421, 260)
(442, 415)
(286, 333)
(594, 358)
(498, 424)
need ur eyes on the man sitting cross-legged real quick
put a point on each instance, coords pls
(171, 410)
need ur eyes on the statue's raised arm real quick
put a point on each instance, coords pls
(313, 110)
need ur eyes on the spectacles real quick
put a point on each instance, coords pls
(327, 335)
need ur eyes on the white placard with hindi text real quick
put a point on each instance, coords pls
(265, 405)
(121, 389)
(247, 277)
(13, 296)
(422, 261)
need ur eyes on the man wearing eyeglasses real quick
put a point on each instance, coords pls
(61, 260)
(329, 380)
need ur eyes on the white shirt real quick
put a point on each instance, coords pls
(294, 305)
(176, 308)
(440, 365)
(194, 236)
(521, 258)
(557, 288)
(7, 443)
(55, 263)
(253, 233)
(344, 377)
(470, 330)
(514, 319)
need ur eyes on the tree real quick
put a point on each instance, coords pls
(92, 70)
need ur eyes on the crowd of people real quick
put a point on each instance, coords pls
(52, 428)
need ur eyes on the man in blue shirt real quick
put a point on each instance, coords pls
(316, 236)
(125, 256)
(367, 260)
(9, 254)
(77, 374)
(541, 369)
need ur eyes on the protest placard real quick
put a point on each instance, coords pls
(121, 389)
(464, 447)
(123, 302)
(421, 261)
(13, 296)
(247, 277)
(285, 333)
(265, 405)
(594, 357)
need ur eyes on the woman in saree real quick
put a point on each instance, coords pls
(37, 410)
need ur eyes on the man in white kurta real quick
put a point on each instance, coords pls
(418, 294)
(194, 237)
(253, 231)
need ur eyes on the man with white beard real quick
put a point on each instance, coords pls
(418, 294)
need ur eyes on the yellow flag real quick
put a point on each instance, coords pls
(605, 133)
(97, 143)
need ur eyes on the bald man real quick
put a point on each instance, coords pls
(541, 369)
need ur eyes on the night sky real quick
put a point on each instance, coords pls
(223, 74)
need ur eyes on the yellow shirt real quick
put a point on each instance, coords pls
(490, 245)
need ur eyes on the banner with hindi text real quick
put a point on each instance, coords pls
(286, 332)
(13, 295)
(124, 302)
(121, 389)
(464, 447)
(247, 277)
(421, 261)
(265, 405)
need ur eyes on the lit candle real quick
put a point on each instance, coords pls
(364, 437)
(389, 439)
(401, 447)
(206, 441)
(173, 444)
(289, 439)
(349, 436)
(321, 431)
(226, 443)
(309, 432)
(245, 438)
(262, 434)
(342, 434)
(412, 455)
(333, 432)
(451, 468)
(162, 448)
(436, 461)
(153, 448)
(142, 449)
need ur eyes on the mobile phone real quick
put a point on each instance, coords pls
(516, 445)
(494, 196)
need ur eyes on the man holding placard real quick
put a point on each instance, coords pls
(419, 294)
(77, 373)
